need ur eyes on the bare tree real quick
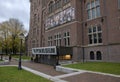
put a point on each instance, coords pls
(10, 30)
(15, 28)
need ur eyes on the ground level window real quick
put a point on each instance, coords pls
(92, 55)
(99, 55)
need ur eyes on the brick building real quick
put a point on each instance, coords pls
(90, 27)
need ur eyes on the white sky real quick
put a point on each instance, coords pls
(19, 9)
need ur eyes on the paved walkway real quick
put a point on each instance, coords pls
(39, 67)
(81, 76)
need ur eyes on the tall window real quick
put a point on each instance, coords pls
(118, 4)
(33, 44)
(67, 39)
(51, 6)
(58, 4)
(57, 39)
(95, 34)
(66, 1)
(99, 55)
(93, 9)
(35, 19)
(92, 56)
(50, 41)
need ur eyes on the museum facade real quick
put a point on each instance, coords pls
(79, 30)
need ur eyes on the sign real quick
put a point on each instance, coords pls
(45, 50)
(62, 17)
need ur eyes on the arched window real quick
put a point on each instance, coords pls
(99, 55)
(58, 4)
(51, 4)
(92, 56)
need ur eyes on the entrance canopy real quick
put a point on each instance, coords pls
(45, 50)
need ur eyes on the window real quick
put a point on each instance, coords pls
(33, 44)
(99, 55)
(93, 9)
(65, 1)
(118, 4)
(57, 4)
(92, 55)
(51, 6)
(50, 41)
(57, 39)
(95, 34)
(34, 32)
(67, 39)
(35, 19)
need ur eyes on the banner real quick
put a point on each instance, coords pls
(65, 16)
(45, 50)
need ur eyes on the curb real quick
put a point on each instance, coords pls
(62, 69)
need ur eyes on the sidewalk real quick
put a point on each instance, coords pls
(49, 70)
(51, 73)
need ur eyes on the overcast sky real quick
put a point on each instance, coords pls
(19, 9)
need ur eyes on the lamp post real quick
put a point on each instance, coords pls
(1, 51)
(21, 38)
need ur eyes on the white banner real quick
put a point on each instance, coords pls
(45, 50)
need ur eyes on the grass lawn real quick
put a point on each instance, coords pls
(12, 74)
(105, 67)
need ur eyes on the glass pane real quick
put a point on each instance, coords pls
(98, 11)
(99, 28)
(88, 6)
(59, 35)
(90, 39)
(55, 36)
(94, 29)
(92, 4)
(99, 38)
(97, 2)
(99, 55)
(89, 14)
(65, 41)
(92, 57)
(93, 13)
(68, 41)
(95, 38)
(64, 34)
(90, 30)
(68, 34)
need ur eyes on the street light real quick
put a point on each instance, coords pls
(1, 50)
(21, 36)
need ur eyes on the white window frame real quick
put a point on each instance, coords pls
(57, 39)
(50, 41)
(92, 34)
(67, 37)
(93, 15)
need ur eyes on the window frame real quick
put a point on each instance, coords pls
(93, 10)
(93, 35)
(67, 38)
(57, 39)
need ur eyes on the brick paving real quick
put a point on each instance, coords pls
(47, 69)
(83, 77)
